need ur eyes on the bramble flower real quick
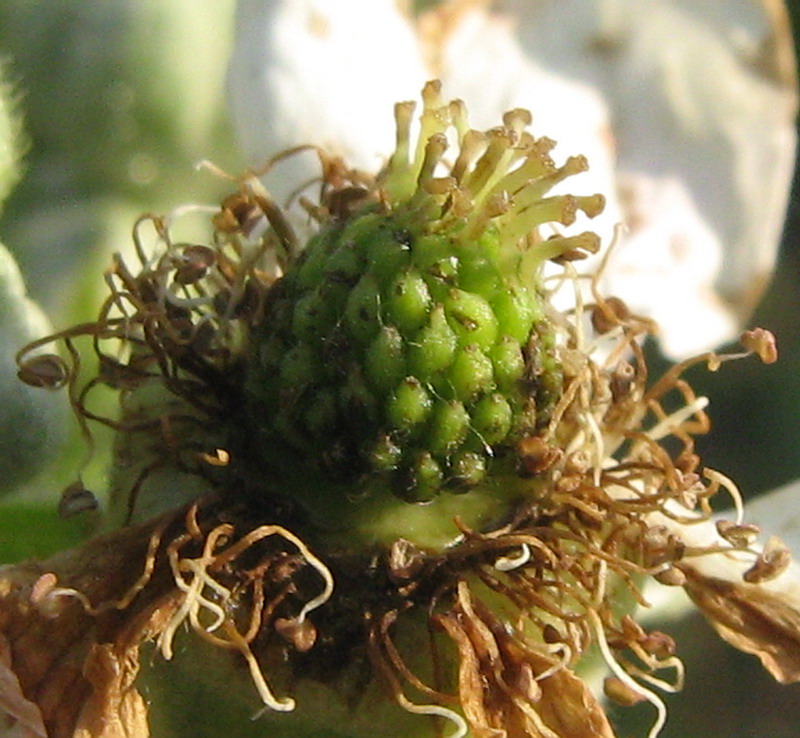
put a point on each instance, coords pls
(388, 443)
(389, 437)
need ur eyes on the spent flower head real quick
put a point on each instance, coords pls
(387, 463)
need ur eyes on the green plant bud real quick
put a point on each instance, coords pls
(346, 263)
(408, 302)
(385, 454)
(425, 320)
(471, 318)
(362, 309)
(391, 436)
(388, 255)
(449, 428)
(385, 361)
(422, 481)
(298, 371)
(516, 309)
(322, 414)
(508, 363)
(467, 469)
(491, 418)
(409, 405)
(470, 373)
(433, 348)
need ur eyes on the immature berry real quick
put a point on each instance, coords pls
(410, 339)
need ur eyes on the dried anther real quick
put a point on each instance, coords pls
(405, 560)
(536, 455)
(45, 370)
(771, 562)
(610, 313)
(193, 263)
(301, 635)
(762, 343)
(738, 535)
(76, 499)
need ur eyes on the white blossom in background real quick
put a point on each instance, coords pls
(684, 108)
(324, 72)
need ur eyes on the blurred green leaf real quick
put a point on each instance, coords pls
(10, 137)
(31, 419)
(32, 531)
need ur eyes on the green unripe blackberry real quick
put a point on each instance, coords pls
(409, 346)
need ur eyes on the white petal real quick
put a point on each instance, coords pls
(700, 93)
(323, 72)
(666, 264)
(778, 513)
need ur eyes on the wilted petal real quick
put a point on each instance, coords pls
(499, 692)
(67, 671)
(21, 717)
(115, 709)
(758, 617)
(761, 619)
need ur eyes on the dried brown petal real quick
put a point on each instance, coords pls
(74, 667)
(495, 668)
(115, 709)
(759, 618)
(617, 691)
(16, 710)
(763, 620)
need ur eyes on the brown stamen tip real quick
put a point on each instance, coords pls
(47, 370)
(771, 562)
(762, 342)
